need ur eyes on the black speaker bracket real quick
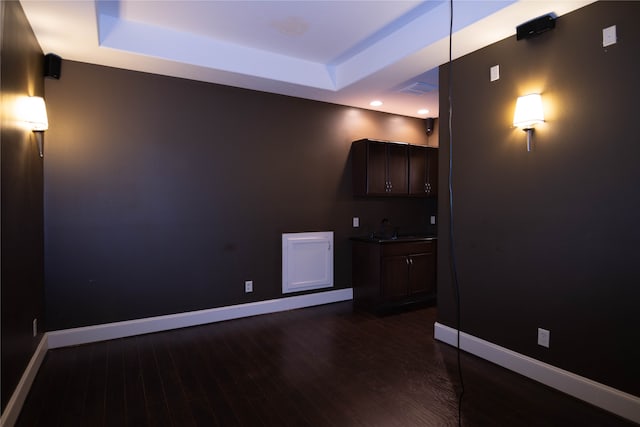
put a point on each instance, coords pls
(536, 26)
(52, 66)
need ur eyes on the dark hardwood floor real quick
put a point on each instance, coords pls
(320, 366)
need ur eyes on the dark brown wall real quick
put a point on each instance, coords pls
(549, 238)
(164, 195)
(22, 214)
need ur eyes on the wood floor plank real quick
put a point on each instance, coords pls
(326, 366)
(134, 395)
(116, 389)
(170, 376)
(77, 386)
(46, 411)
(95, 399)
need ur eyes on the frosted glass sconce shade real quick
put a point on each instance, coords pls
(528, 113)
(36, 114)
(33, 113)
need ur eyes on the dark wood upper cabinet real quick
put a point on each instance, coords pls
(397, 168)
(379, 168)
(375, 164)
(423, 171)
(393, 169)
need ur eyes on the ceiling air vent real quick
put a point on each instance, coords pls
(419, 88)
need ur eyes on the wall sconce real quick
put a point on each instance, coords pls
(35, 115)
(528, 113)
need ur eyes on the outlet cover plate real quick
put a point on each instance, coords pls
(248, 286)
(543, 337)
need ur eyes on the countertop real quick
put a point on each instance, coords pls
(399, 239)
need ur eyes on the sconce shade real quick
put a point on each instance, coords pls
(36, 114)
(528, 111)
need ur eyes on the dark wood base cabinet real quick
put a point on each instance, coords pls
(390, 274)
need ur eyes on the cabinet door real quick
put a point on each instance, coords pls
(394, 277)
(397, 173)
(432, 172)
(376, 168)
(418, 171)
(423, 171)
(422, 273)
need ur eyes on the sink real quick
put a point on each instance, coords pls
(402, 237)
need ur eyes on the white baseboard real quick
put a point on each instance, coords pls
(12, 410)
(108, 331)
(608, 398)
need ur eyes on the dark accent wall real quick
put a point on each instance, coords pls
(163, 195)
(21, 199)
(549, 238)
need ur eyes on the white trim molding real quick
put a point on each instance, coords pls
(608, 398)
(14, 406)
(109, 331)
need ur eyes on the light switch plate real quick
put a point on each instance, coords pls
(495, 73)
(433, 219)
(356, 222)
(609, 36)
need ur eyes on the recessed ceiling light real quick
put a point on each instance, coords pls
(423, 111)
(375, 103)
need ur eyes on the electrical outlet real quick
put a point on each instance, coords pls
(248, 286)
(356, 222)
(35, 327)
(433, 219)
(543, 337)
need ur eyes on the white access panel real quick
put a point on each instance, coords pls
(307, 261)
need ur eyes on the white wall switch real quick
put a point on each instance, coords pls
(248, 286)
(433, 219)
(495, 73)
(356, 222)
(609, 36)
(543, 337)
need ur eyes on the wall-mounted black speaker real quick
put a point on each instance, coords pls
(536, 26)
(52, 65)
(429, 122)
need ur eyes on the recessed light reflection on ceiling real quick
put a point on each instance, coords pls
(423, 111)
(375, 103)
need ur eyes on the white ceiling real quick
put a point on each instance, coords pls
(346, 52)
